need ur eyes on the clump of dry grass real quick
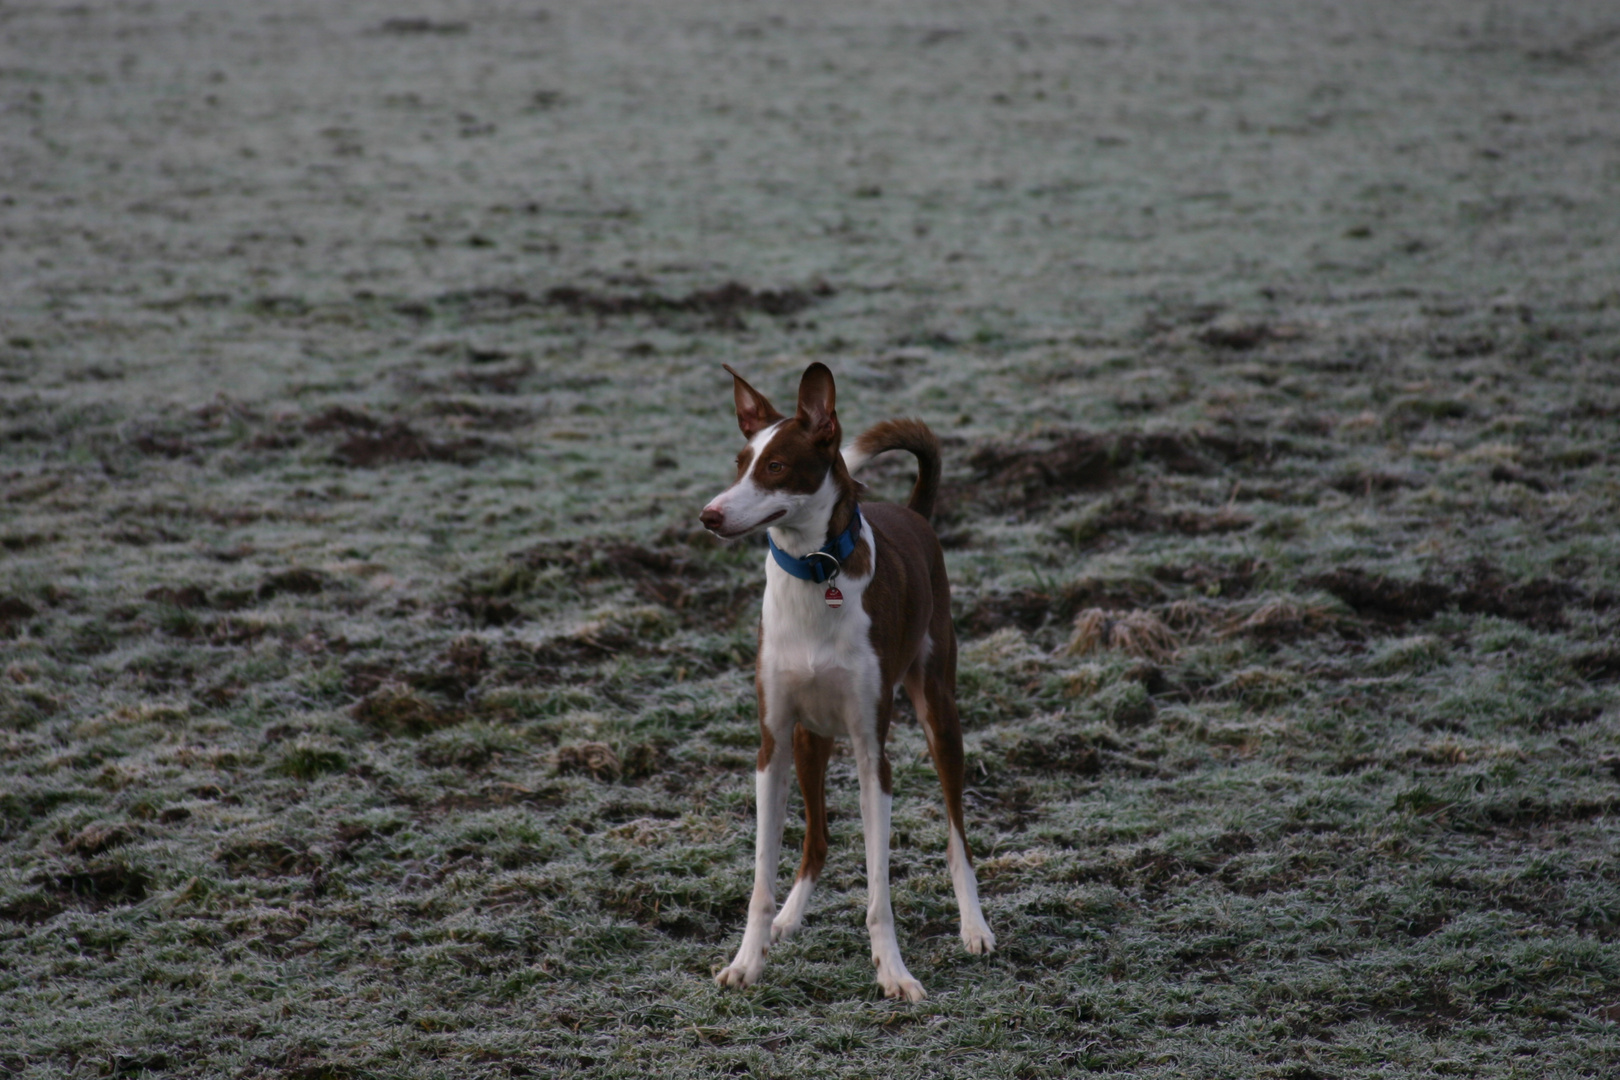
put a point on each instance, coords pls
(1258, 685)
(1279, 616)
(592, 758)
(395, 709)
(1187, 615)
(1194, 619)
(1138, 633)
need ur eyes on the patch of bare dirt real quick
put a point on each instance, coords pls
(32, 909)
(1231, 582)
(165, 446)
(185, 596)
(1030, 609)
(1540, 602)
(1065, 753)
(470, 414)
(341, 418)
(1365, 483)
(488, 610)
(586, 646)
(95, 839)
(1029, 475)
(99, 886)
(372, 441)
(723, 306)
(396, 709)
(265, 858)
(1027, 609)
(500, 794)
(716, 607)
(1008, 803)
(13, 611)
(1558, 717)
(1601, 664)
(671, 576)
(456, 672)
(299, 581)
(495, 380)
(1477, 589)
(399, 442)
(417, 27)
(1374, 596)
(1239, 337)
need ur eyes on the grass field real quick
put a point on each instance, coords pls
(373, 706)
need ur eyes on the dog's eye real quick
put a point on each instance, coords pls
(775, 466)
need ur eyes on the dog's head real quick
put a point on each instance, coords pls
(786, 473)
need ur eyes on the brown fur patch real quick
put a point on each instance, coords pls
(907, 600)
(755, 412)
(792, 461)
(811, 753)
(817, 398)
(903, 595)
(859, 562)
(909, 596)
(916, 437)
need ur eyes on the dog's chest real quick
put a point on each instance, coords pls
(815, 659)
(801, 634)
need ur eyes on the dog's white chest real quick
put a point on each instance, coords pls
(815, 658)
(803, 635)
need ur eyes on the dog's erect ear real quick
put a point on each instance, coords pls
(816, 399)
(754, 412)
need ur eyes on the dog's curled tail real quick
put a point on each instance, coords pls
(912, 435)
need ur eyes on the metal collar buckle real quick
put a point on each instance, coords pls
(837, 567)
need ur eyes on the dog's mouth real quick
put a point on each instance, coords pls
(758, 525)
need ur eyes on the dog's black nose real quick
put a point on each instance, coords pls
(712, 519)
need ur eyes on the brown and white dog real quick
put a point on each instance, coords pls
(832, 652)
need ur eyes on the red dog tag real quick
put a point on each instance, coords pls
(834, 597)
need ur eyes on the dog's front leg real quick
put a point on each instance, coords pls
(770, 798)
(877, 800)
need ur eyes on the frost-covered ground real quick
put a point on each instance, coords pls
(372, 706)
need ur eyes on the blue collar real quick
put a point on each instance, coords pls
(816, 565)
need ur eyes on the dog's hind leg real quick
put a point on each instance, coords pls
(931, 686)
(771, 791)
(877, 800)
(810, 755)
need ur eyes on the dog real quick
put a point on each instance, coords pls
(856, 604)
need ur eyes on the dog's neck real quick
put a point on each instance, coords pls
(824, 516)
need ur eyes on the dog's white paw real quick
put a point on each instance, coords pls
(978, 939)
(898, 983)
(791, 917)
(742, 972)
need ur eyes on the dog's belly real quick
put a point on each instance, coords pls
(824, 684)
(825, 699)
